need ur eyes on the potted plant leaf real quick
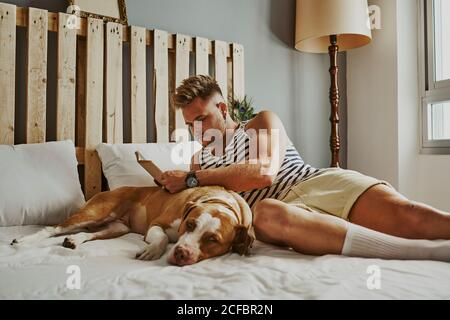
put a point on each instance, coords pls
(241, 109)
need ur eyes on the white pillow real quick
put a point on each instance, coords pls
(121, 168)
(38, 183)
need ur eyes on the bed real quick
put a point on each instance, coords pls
(90, 110)
(108, 270)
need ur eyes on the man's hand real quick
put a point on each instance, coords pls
(174, 181)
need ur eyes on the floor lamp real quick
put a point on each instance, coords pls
(330, 26)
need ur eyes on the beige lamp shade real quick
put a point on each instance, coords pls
(317, 20)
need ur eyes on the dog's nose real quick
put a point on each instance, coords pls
(181, 253)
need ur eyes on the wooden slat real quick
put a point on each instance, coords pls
(230, 79)
(201, 56)
(238, 71)
(80, 129)
(22, 17)
(22, 21)
(220, 57)
(65, 90)
(36, 75)
(113, 103)
(94, 106)
(80, 155)
(161, 86)
(172, 111)
(181, 72)
(7, 71)
(138, 86)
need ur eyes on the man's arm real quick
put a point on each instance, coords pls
(268, 135)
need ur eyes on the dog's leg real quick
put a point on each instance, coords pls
(109, 231)
(80, 220)
(172, 231)
(157, 241)
(103, 208)
(45, 233)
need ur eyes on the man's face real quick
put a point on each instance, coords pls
(203, 115)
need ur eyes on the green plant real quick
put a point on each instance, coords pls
(241, 109)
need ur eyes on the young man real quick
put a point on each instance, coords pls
(314, 211)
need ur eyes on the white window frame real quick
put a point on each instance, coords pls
(431, 91)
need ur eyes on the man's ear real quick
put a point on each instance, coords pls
(223, 108)
(243, 240)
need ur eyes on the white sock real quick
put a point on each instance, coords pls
(367, 243)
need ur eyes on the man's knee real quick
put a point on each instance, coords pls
(269, 217)
(268, 212)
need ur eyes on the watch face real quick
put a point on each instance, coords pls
(192, 182)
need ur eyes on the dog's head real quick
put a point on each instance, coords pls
(212, 226)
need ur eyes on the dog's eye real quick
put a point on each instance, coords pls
(190, 226)
(213, 239)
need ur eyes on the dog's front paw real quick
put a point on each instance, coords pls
(151, 252)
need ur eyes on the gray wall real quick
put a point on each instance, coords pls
(293, 84)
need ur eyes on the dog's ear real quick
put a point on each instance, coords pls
(188, 207)
(226, 200)
(243, 240)
(246, 212)
(245, 234)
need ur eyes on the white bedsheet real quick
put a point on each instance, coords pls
(109, 271)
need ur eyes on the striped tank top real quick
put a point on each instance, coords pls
(292, 170)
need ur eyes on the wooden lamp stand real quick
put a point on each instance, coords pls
(334, 100)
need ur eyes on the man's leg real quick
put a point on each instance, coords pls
(318, 234)
(306, 232)
(383, 209)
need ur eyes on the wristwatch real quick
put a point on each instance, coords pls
(191, 180)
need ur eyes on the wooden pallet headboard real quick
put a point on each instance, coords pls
(89, 87)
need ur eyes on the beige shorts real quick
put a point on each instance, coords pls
(332, 191)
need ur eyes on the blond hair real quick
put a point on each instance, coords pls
(193, 87)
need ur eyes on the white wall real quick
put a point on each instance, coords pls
(384, 108)
(408, 101)
(434, 181)
(372, 102)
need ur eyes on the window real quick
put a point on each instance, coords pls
(441, 14)
(435, 74)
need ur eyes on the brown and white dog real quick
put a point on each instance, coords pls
(204, 222)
